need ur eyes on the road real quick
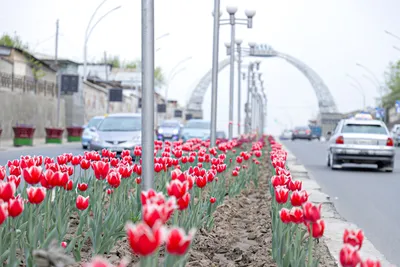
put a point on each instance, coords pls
(52, 151)
(362, 196)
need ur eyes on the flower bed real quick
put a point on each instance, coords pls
(297, 224)
(83, 203)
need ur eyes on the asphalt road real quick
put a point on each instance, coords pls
(363, 196)
(43, 151)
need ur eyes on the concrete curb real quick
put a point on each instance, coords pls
(335, 224)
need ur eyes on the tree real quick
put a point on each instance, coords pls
(393, 84)
(159, 76)
(114, 61)
(16, 42)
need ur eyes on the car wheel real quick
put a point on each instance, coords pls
(386, 168)
(84, 146)
(333, 163)
(328, 162)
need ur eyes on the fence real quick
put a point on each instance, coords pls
(27, 84)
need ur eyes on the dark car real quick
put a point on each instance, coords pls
(170, 129)
(220, 135)
(302, 132)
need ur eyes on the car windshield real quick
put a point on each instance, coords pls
(198, 125)
(364, 129)
(94, 122)
(302, 128)
(121, 124)
(170, 124)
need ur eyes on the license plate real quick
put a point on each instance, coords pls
(116, 149)
(364, 142)
(167, 135)
(301, 132)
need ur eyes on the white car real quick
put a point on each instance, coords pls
(361, 141)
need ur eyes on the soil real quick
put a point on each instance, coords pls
(241, 236)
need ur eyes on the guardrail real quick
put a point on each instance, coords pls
(26, 84)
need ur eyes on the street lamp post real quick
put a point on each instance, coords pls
(89, 31)
(378, 83)
(238, 44)
(148, 93)
(214, 72)
(359, 87)
(232, 21)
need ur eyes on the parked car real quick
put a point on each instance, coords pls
(169, 129)
(220, 135)
(117, 132)
(395, 132)
(302, 132)
(89, 130)
(361, 141)
(286, 135)
(196, 128)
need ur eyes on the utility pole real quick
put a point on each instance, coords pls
(106, 65)
(57, 83)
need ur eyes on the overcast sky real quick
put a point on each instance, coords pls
(330, 36)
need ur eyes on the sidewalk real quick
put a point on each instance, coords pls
(8, 144)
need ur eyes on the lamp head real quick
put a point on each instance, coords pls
(231, 10)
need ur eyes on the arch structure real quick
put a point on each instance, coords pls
(325, 99)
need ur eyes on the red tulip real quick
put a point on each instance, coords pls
(370, 263)
(183, 202)
(285, 215)
(69, 185)
(85, 164)
(153, 212)
(82, 187)
(354, 238)
(82, 203)
(279, 180)
(114, 179)
(2, 172)
(36, 194)
(295, 185)
(213, 200)
(296, 215)
(100, 169)
(281, 194)
(64, 244)
(14, 179)
(318, 228)
(349, 256)
(3, 211)
(312, 213)
(201, 181)
(177, 189)
(298, 198)
(14, 170)
(32, 175)
(138, 180)
(76, 160)
(15, 206)
(144, 240)
(62, 159)
(177, 242)
(7, 190)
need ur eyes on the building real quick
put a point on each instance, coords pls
(26, 73)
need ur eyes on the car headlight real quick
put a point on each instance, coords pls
(160, 131)
(175, 131)
(96, 138)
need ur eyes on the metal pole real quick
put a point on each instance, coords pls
(147, 93)
(106, 65)
(232, 80)
(59, 84)
(214, 75)
(247, 123)
(239, 87)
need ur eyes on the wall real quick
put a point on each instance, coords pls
(37, 110)
(96, 102)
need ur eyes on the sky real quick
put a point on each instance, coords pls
(330, 36)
